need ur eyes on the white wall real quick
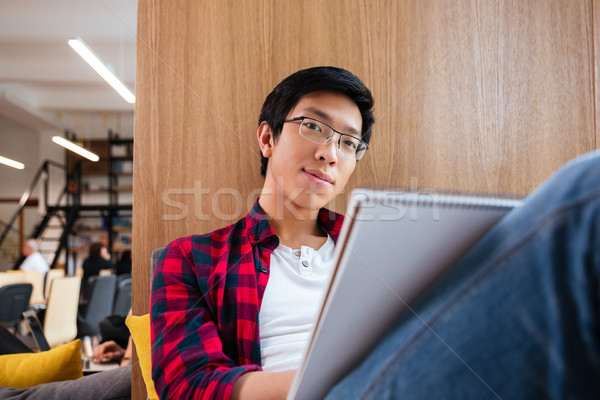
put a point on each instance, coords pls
(95, 125)
(20, 144)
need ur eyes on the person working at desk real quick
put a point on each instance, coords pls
(232, 310)
(111, 351)
(98, 260)
(34, 261)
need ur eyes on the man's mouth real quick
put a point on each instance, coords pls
(321, 178)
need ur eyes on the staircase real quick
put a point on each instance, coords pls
(9, 250)
(51, 229)
(52, 232)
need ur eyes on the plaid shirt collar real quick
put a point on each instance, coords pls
(260, 230)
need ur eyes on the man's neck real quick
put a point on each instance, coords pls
(295, 227)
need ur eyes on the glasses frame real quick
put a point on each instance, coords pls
(339, 141)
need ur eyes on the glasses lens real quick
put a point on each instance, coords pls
(315, 131)
(318, 132)
(361, 151)
(350, 146)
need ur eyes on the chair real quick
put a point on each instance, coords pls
(100, 300)
(14, 299)
(50, 275)
(9, 277)
(36, 278)
(37, 332)
(123, 296)
(60, 323)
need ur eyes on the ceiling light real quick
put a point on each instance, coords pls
(11, 163)
(75, 148)
(95, 62)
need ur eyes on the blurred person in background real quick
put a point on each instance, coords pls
(124, 264)
(34, 261)
(98, 259)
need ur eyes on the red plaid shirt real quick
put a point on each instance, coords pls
(206, 295)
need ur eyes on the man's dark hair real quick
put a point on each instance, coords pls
(289, 91)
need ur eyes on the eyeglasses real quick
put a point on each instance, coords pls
(321, 133)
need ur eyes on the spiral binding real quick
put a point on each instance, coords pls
(430, 199)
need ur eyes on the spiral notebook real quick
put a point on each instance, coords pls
(393, 246)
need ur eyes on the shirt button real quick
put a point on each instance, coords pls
(263, 270)
(305, 263)
(297, 253)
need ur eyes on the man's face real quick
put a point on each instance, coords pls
(26, 249)
(312, 174)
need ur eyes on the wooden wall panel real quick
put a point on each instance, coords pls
(596, 60)
(470, 95)
(485, 96)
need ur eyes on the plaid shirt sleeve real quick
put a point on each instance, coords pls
(188, 357)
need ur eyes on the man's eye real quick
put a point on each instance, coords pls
(312, 126)
(350, 144)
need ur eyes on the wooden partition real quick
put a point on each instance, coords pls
(486, 96)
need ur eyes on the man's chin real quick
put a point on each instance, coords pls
(315, 200)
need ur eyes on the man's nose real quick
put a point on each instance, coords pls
(329, 151)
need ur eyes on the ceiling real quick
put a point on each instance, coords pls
(44, 84)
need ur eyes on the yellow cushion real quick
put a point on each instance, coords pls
(139, 327)
(30, 369)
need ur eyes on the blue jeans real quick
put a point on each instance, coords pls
(517, 318)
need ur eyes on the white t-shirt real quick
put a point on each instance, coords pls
(35, 262)
(291, 301)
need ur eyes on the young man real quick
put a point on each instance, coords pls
(232, 310)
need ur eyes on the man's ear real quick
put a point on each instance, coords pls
(265, 139)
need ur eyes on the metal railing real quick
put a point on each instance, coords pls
(43, 174)
(9, 249)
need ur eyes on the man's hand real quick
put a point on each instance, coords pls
(263, 385)
(107, 351)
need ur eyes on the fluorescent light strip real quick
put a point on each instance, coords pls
(75, 148)
(11, 163)
(96, 63)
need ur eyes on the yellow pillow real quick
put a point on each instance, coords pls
(30, 369)
(139, 327)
